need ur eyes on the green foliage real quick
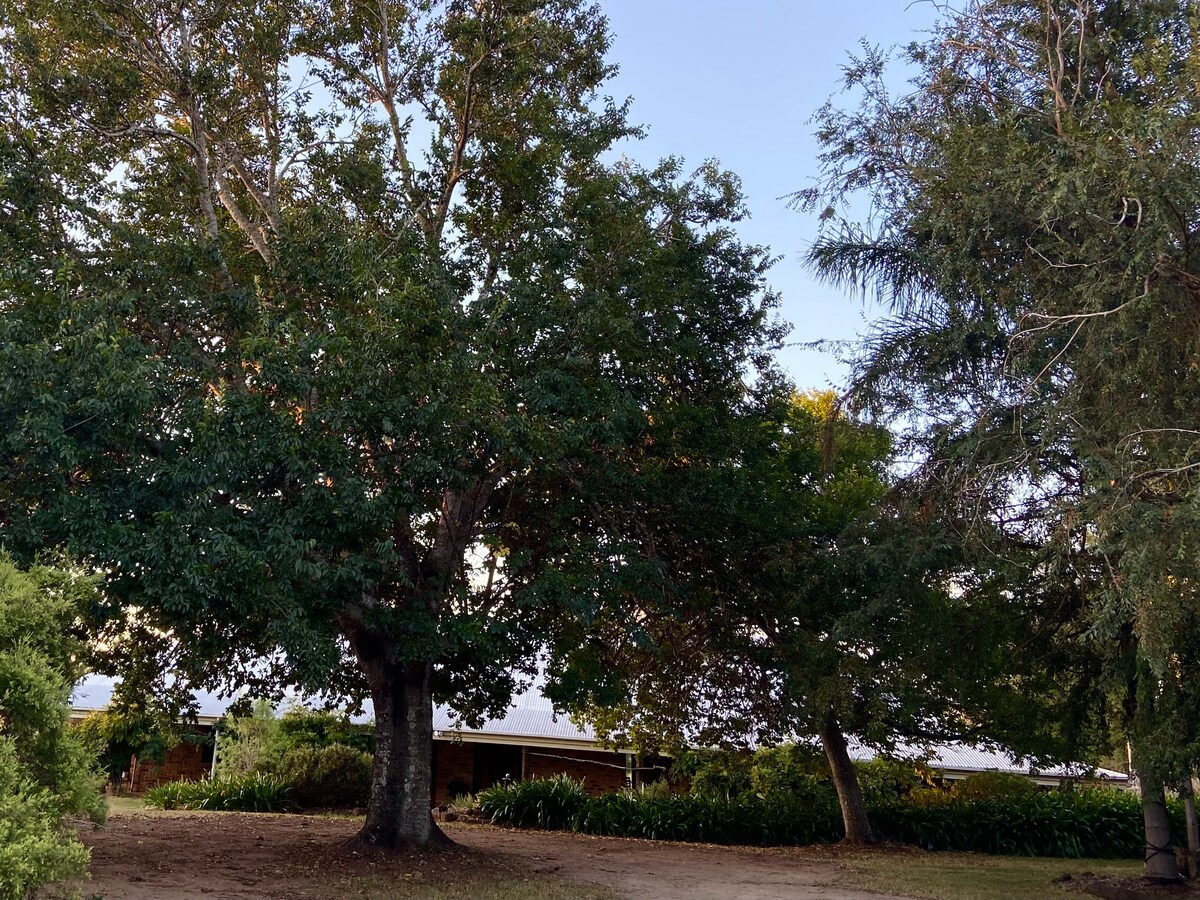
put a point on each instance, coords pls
(776, 821)
(248, 743)
(330, 776)
(301, 727)
(542, 802)
(254, 792)
(1088, 823)
(1033, 249)
(35, 847)
(303, 748)
(795, 769)
(717, 773)
(300, 374)
(994, 786)
(1092, 823)
(47, 773)
(117, 735)
(799, 771)
(883, 780)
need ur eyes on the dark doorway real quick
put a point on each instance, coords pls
(494, 763)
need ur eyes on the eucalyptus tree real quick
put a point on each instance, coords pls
(317, 311)
(1034, 205)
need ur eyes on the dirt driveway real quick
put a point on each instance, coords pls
(214, 856)
(665, 871)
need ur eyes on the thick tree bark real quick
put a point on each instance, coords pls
(1160, 852)
(845, 780)
(399, 813)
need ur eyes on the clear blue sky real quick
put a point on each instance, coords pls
(739, 81)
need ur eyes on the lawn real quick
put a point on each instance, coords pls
(972, 876)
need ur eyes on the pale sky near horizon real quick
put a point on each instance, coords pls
(739, 82)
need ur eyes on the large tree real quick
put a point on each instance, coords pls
(319, 311)
(816, 599)
(1034, 207)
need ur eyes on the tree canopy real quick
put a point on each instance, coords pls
(336, 331)
(817, 599)
(1033, 211)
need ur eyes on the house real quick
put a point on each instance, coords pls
(531, 741)
(188, 760)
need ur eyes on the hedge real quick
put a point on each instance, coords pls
(1098, 823)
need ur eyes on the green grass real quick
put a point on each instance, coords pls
(125, 806)
(973, 876)
(506, 888)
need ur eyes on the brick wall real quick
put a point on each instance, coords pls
(451, 762)
(184, 761)
(600, 772)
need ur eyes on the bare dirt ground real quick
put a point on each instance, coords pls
(197, 856)
(667, 871)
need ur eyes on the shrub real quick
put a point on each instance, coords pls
(773, 821)
(335, 776)
(887, 780)
(994, 786)
(541, 802)
(261, 741)
(34, 848)
(255, 792)
(788, 768)
(301, 727)
(797, 769)
(715, 773)
(655, 813)
(1091, 823)
(47, 773)
(247, 743)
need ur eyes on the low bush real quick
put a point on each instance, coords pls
(261, 741)
(1092, 823)
(255, 792)
(1089, 823)
(779, 820)
(333, 776)
(542, 802)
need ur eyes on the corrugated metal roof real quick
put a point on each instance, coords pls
(531, 716)
(527, 718)
(95, 692)
(958, 757)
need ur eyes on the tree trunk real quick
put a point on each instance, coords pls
(1187, 789)
(1160, 853)
(845, 780)
(399, 814)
